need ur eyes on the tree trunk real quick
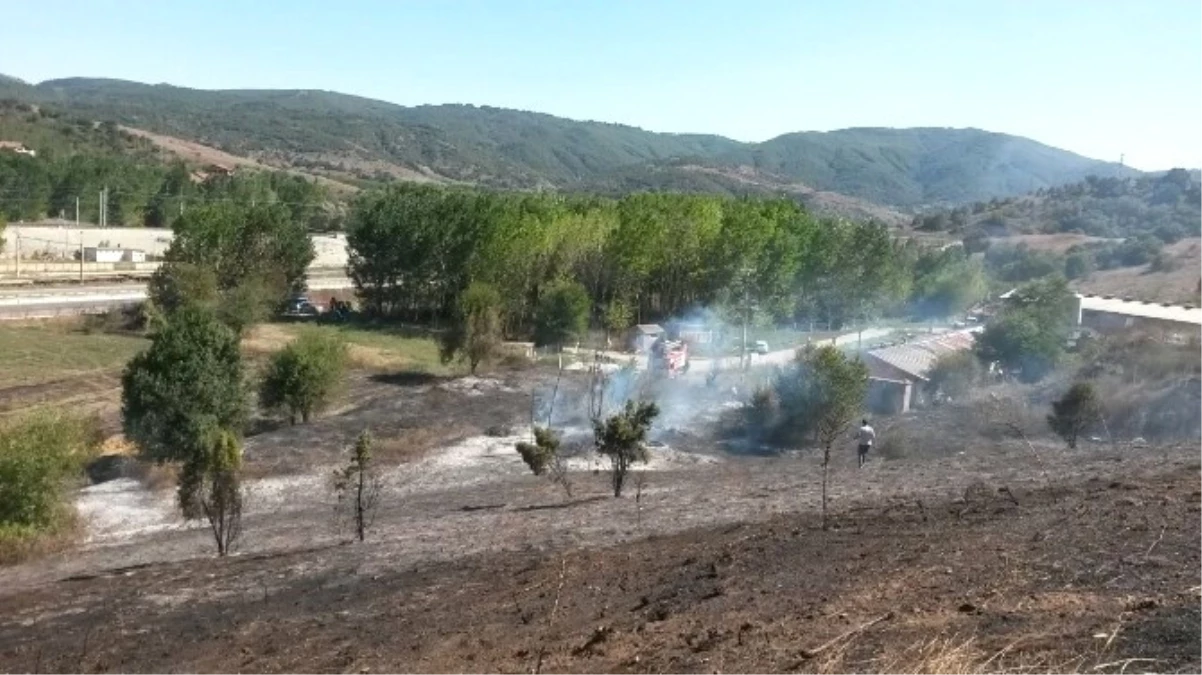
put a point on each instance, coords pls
(826, 461)
(359, 515)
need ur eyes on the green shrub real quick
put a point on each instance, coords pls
(303, 377)
(39, 457)
(539, 454)
(1075, 412)
(954, 374)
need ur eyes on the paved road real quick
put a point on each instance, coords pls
(699, 367)
(35, 302)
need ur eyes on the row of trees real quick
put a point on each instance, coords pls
(414, 250)
(145, 194)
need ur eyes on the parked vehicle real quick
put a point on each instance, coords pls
(299, 307)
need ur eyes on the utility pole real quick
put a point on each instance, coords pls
(743, 358)
(860, 332)
(77, 212)
(81, 256)
(18, 254)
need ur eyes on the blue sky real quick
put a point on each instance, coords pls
(1098, 77)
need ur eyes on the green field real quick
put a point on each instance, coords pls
(373, 348)
(35, 353)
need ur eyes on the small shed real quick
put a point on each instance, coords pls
(98, 254)
(644, 335)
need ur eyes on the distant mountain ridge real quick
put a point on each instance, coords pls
(350, 135)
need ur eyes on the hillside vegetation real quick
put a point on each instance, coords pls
(516, 149)
(1095, 225)
(76, 158)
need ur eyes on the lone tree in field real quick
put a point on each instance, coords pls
(1075, 412)
(210, 488)
(357, 487)
(303, 377)
(837, 386)
(620, 437)
(539, 454)
(187, 383)
(562, 314)
(476, 333)
(183, 400)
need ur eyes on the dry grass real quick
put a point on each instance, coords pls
(1051, 243)
(19, 545)
(412, 444)
(953, 654)
(44, 351)
(155, 477)
(1179, 284)
(374, 350)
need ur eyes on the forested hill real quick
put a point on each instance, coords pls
(1167, 206)
(515, 149)
(74, 158)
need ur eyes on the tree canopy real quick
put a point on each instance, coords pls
(1029, 336)
(413, 251)
(187, 384)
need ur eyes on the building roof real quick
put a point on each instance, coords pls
(649, 328)
(916, 358)
(1147, 310)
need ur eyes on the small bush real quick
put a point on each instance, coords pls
(540, 454)
(1075, 412)
(303, 377)
(898, 443)
(760, 413)
(953, 375)
(620, 437)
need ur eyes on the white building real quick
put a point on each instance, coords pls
(97, 254)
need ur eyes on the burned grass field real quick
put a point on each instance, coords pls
(960, 547)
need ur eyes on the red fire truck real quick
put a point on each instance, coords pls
(669, 357)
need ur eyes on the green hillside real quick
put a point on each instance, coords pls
(77, 157)
(517, 149)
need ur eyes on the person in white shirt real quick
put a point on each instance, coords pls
(866, 435)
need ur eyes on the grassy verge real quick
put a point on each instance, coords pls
(35, 353)
(371, 348)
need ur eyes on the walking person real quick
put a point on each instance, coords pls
(866, 435)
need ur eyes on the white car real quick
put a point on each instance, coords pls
(760, 347)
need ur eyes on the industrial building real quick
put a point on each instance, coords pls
(897, 370)
(1107, 315)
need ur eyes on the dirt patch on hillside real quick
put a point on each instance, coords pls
(200, 153)
(1050, 243)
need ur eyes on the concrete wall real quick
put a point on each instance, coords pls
(65, 241)
(31, 268)
(888, 397)
(1112, 322)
